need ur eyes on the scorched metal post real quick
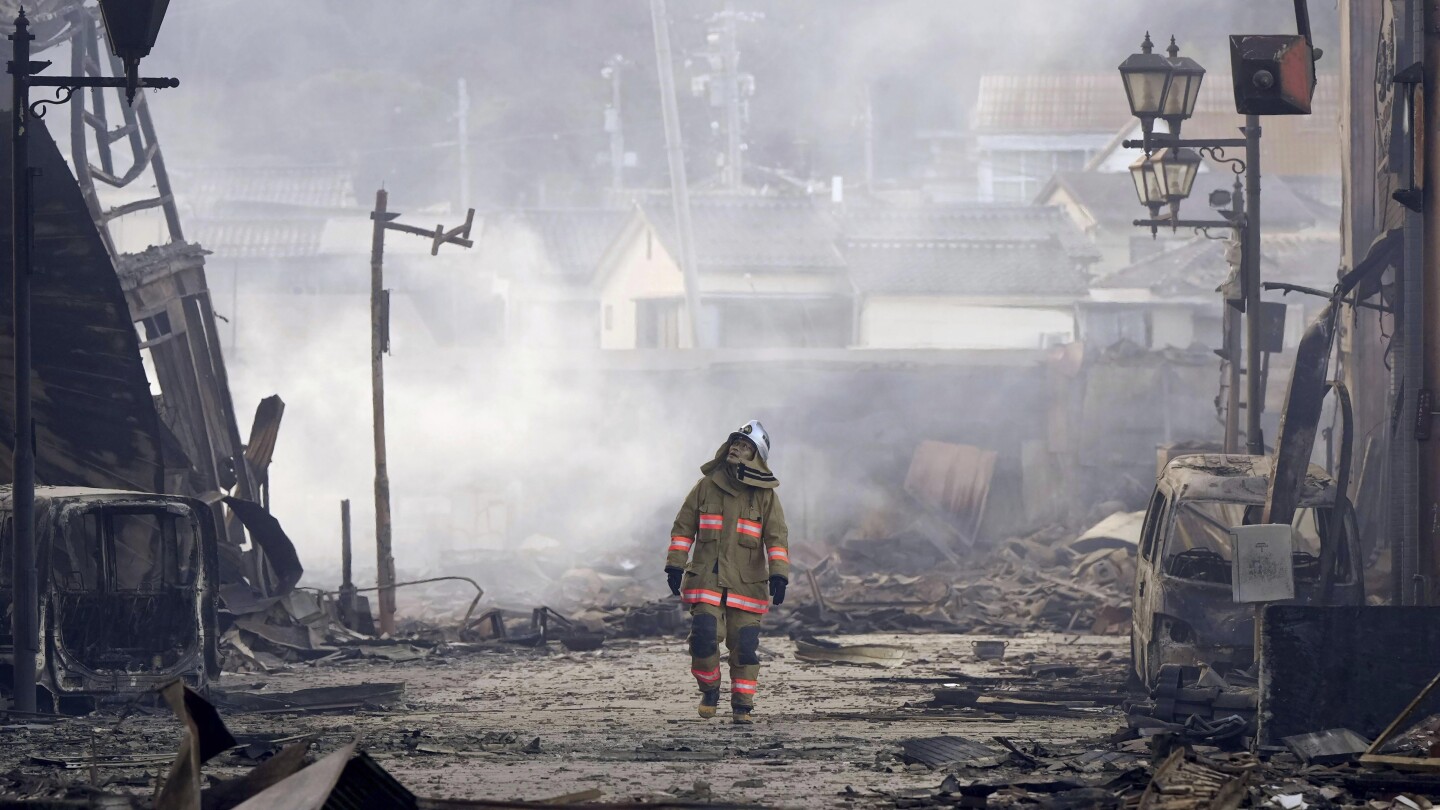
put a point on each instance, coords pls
(379, 345)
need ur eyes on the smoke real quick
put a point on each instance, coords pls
(556, 443)
(573, 446)
(373, 85)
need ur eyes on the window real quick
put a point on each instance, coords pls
(1154, 519)
(125, 549)
(657, 324)
(1198, 546)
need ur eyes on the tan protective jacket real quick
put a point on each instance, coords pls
(730, 537)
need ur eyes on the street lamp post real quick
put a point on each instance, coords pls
(131, 28)
(1167, 88)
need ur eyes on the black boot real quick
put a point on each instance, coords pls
(708, 701)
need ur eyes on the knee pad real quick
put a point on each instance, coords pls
(749, 652)
(704, 630)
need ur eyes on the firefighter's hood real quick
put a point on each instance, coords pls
(754, 473)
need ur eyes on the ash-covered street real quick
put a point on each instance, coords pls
(903, 404)
(531, 724)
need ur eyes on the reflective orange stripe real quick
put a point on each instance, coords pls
(712, 521)
(681, 543)
(708, 677)
(748, 605)
(697, 596)
(777, 553)
(748, 527)
(748, 687)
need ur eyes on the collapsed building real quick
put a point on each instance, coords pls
(107, 326)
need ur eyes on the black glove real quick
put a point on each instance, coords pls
(777, 589)
(672, 575)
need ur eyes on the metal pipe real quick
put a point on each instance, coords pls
(734, 169)
(1254, 390)
(1185, 223)
(1407, 375)
(25, 604)
(675, 153)
(1160, 140)
(347, 577)
(1302, 21)
(1233, 325)
(617, 126)
(384, 558)
(479, 592)
(1428, 531)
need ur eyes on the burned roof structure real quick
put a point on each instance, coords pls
(96, 425)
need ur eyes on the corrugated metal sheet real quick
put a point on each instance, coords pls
(953, 477)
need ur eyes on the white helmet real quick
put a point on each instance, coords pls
(755, 432)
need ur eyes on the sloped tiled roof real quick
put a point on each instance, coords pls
(259, 238)
(1050, 104)
(967, 222)
(1198, 267)
(1080, 104)
(572, 240)
(319, 187)
(1034, 267)
(750, 233)
(1109, 197)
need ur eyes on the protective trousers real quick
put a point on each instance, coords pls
(740, 630)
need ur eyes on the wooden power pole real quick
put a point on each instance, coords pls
(384, 220)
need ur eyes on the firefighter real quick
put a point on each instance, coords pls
(729, 558)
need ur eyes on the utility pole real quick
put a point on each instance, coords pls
(384, 220)
(615, 121)
(675, 154)
(869, 134)
(462, 135)
(730, 56)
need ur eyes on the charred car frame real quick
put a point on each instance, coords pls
(1184, 613)
(127, 589)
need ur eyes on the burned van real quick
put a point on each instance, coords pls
(126, 584)
(1184, 613)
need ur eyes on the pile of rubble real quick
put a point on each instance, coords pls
(1052, 580)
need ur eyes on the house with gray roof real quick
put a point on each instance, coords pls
(543, 261)
(770, 274)
(965, 276)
